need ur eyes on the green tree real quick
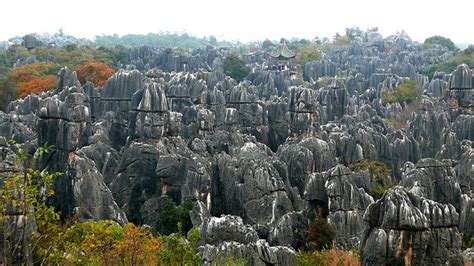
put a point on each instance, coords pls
(440, 40)
(235, 67)
(405, 92)
(308, 53)
(24, 215)
(178, 250)
(171, 216)
(267, 43)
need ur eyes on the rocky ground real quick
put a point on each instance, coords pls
(259, 158)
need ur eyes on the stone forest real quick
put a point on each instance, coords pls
(352, 151)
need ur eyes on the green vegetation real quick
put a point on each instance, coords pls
(440, 40)
(172, 217)
(180, 41)
(24, 192)
(320, 235)
(467, 57)
(327, 257)
(307, 54)
(236, 67)
(471, 243)
(40, 75)
(406, 92)
(267, 43)
(379, 175)
(46, 240)
(229, 261)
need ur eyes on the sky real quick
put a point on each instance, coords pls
(244, 20)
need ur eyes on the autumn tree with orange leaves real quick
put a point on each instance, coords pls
(33, 78)
(36, 86)
(95, 72)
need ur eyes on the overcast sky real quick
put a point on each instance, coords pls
(239, 19)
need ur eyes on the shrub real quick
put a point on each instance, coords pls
(407, 92)
(108, 243)
(178, 250)
(229, 261)
(327, 257)
(379, 175)
(320, 234)
(235, 67)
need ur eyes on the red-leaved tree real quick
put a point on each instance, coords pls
(97, 73)
(36, 85)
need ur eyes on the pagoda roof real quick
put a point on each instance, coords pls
(283, 52)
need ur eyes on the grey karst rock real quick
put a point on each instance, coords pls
(212, 78)
(403, 148)
(21, 128)
(302, 110)
(464, 167)
(406, 228)
(181, 173)
(461, 88)
(435, 180)
(277, 122)
(463, 126)
(252, 117)
(199, 213)
(258, 253)
(64, 119)
(341, 200)
(106, 159)
(136, 180)
(94, 99)
(265, 83)
(427, 128)
(193, 85)
(333, 100)
(436, 87)
(316, 69)
(67, 78)
(289, 231)
(304, 156)
(149, 116)
(466, 217)
(214, 101)
(24, 106)
(247, 184)
(215, 230)
(174, 124)
(461, 78)
(7, 158)
(197, 121)
(357, 138)
(91, 197)
(151, 209)
(118, 91)
(178, 97)
(158, 168)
